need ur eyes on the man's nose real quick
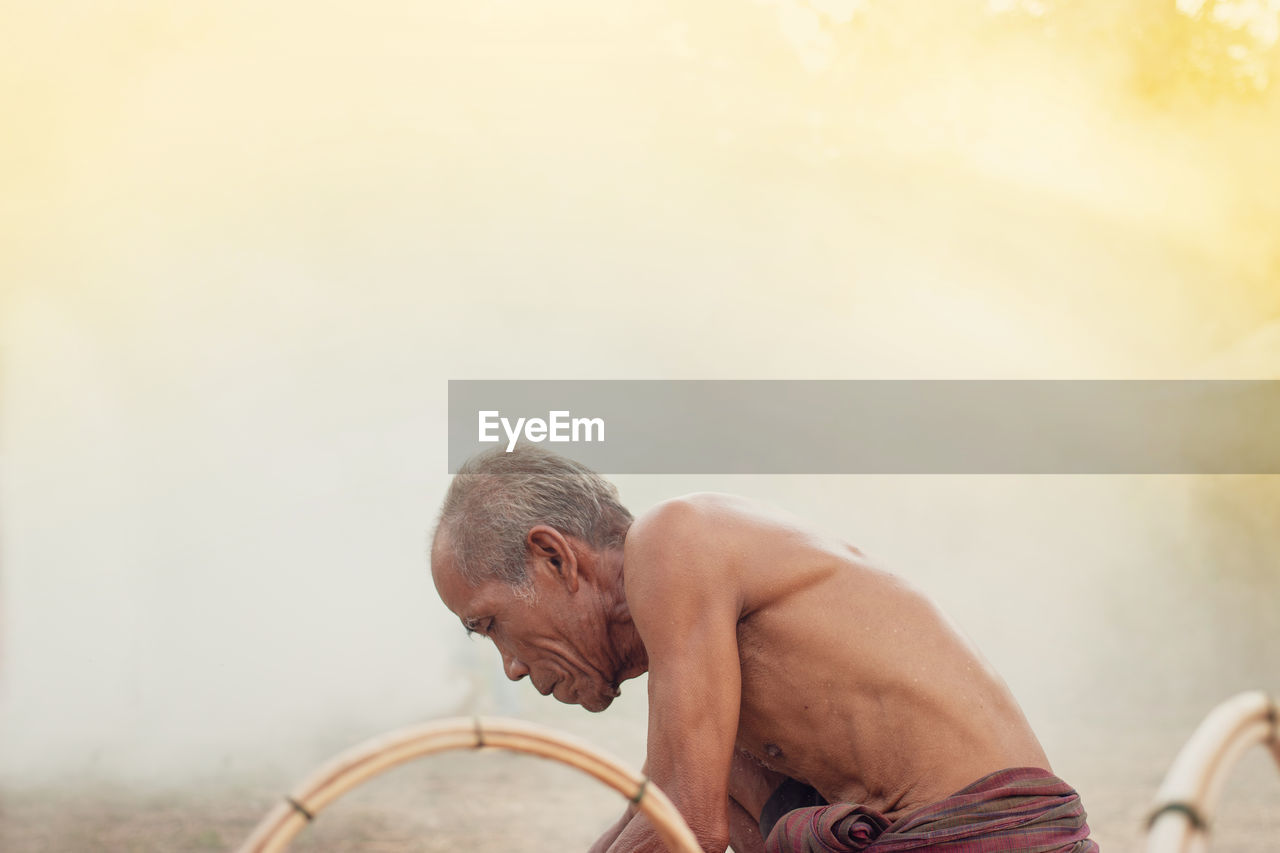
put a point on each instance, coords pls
(515, 669)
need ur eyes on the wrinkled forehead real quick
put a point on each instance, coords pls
(453, 588)
(465, 599)
(441, 549)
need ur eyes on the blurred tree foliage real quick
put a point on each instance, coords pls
(1175, 49)
(1172, 51)
(1204, 50)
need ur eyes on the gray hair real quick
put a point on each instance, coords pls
(497, 497)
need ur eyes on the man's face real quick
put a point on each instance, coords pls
(554, 638)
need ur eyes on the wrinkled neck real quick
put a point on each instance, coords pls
(631, 659)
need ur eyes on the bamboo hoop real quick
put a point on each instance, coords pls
(380, 754)
(1188, 798)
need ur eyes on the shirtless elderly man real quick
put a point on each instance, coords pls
(800, 699)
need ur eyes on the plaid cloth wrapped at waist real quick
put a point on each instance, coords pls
(1020, 810)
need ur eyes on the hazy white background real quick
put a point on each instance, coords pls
(247, 246)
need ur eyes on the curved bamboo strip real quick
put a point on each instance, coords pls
(380, 754)
(1187, 799)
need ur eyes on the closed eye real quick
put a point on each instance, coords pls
(474, 627)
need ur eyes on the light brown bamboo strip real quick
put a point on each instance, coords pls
(382, 753)
(1194, 782)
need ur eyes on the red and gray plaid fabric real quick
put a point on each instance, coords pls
(1021, 810)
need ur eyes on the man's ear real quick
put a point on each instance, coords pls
(552, 550)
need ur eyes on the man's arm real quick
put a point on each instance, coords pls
(685, 601)
(744, 830)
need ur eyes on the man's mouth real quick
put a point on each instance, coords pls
(547, 690)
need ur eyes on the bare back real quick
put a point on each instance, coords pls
(850, 679)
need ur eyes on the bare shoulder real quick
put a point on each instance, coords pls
(689, 526)
(682, 546)
(719, 544)
(724, 523)
(685, 509)
(713, 544)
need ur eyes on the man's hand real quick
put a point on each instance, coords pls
(744, 830)
(605, 841)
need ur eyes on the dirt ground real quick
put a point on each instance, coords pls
(502, 802)
(492, 802)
